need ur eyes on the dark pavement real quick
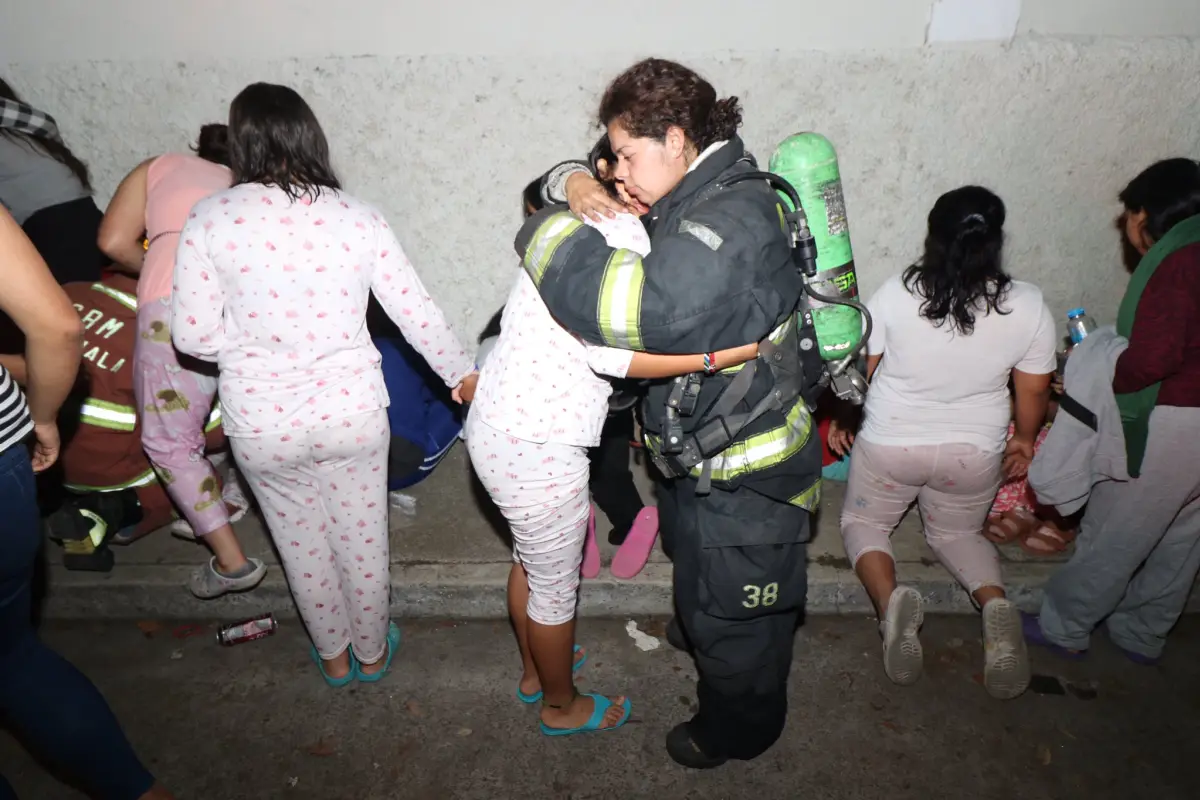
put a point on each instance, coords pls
(255, 721)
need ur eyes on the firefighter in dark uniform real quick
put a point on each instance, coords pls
(738, 446)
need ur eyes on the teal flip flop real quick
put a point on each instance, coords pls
(336, 683)
(393, 641)
(593, 724)
(530, 699)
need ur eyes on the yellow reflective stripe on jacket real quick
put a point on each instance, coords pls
(124, 298)
(620, 304)
(214, 417)
(550, 234)
(104, 414)
(762, 451)
(145, 479)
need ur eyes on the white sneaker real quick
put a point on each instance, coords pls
(207, 583)
(903, 658)
(1005, 658)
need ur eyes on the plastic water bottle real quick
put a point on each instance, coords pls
(1079, 324)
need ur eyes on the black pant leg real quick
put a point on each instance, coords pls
(611, 480)
(739, 605)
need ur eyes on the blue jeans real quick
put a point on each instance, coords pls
(45, 701)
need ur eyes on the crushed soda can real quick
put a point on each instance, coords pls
(247, 630)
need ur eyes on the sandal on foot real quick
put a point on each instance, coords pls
(393, 644)
(336, 683)
(635, 551)
(1009, 526)
(591, 550)
(530, 699)
(601, 706)
(1054, 540)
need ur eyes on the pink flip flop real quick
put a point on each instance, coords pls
(591, 550)
(634, 553)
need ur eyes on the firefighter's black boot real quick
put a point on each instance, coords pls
(85, 524)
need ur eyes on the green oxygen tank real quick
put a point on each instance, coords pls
(809, 163)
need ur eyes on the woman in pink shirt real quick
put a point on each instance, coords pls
(175, 396)
(272, 280)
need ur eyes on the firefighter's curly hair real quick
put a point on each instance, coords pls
(655, 94)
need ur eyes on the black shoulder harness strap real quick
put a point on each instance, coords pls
(1078, 411)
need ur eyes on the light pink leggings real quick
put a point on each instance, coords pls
(954, 485)
(323, 493)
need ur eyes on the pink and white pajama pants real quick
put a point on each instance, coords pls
(953, 484)
(542, 491)
(323, 493)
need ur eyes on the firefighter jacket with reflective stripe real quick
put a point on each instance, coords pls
(720, 274)
(105, 450)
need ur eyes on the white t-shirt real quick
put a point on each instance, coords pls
(935, 385)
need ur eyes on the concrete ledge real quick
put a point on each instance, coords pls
(452, 560)
(472, 591)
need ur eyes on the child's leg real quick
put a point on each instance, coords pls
(174, 404)
(279, 471)
(350, 464)
(542, 492)
(518, 614)
(611, 480)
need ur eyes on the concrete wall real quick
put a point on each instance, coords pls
(440, 112)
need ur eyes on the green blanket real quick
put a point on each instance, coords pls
(1136, 407)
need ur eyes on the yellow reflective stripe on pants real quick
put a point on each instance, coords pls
(620, 304)
(124, 298)
(214, 418)
(549, 235)
(145, 479)
(104, 414)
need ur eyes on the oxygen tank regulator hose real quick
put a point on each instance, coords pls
(782, 185)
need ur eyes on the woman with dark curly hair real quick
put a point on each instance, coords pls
(735, 445)
(948, 334)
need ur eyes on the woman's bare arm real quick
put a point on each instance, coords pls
(33, 300)
(647, 366)
(125, 220)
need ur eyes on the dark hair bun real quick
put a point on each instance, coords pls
(724, 120)
(213, 143)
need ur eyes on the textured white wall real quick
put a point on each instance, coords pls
(441, 116)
